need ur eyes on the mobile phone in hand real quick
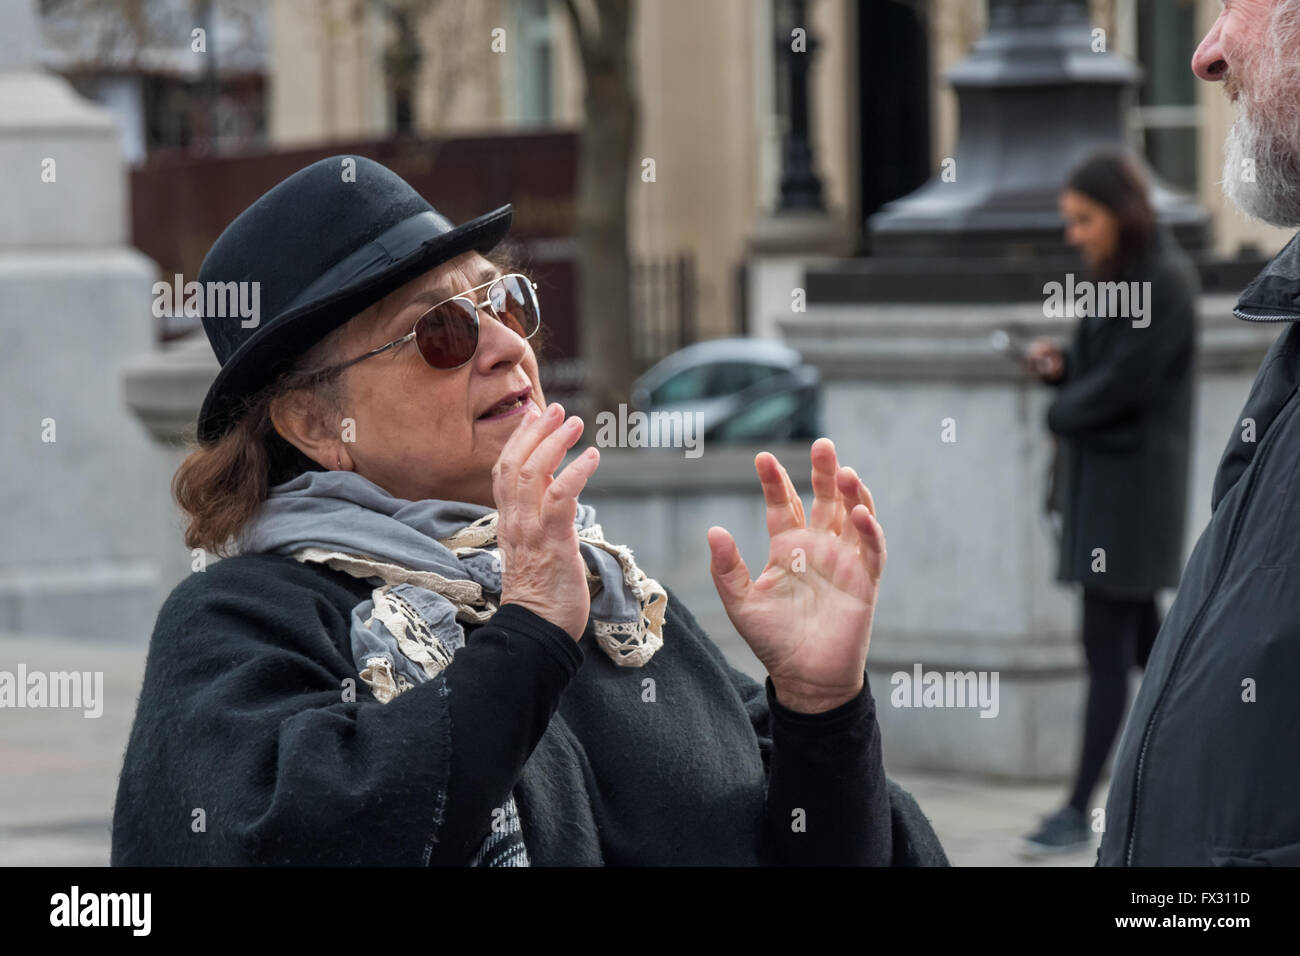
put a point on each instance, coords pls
(1010, 344)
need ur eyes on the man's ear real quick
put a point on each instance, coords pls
(298, 419)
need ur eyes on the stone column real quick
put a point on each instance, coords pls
(84, 489)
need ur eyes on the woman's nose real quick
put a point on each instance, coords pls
(497, 344)
(1209, 61)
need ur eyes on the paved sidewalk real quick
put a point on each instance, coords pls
(979, 822)
(60, 767)
(60, 773)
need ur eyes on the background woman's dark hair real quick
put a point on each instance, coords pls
(1117, 182)
(221, 484)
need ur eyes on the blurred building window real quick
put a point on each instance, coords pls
(1166, 116)
(142, 60)
(533, 80)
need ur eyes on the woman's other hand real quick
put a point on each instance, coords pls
(1044, 359)
(542, 567)
(808, 615)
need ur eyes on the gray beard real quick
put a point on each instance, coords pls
(1274, 196)
(1266, 133)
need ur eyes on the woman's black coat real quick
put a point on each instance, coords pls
(1123, 418)
(255, 743)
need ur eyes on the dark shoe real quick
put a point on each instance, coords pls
(1064, 831)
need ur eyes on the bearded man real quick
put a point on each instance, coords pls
(1206, 772)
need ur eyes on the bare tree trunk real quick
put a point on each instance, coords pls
(603, 29)
(402, 62)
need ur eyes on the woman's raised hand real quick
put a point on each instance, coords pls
(808, 615)
(542, 568)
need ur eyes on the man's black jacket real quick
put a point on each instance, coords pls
(252, 712)
(1208, 769)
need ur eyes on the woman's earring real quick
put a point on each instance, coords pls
(339, 462)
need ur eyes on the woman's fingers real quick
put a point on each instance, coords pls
(796, 503)
(536, 424)
(846, 482)
(853, 493)
(568, 484)
(859, 493)
(543, 569)
(536, 471)
(730, 575)
(867, 500)
(861, 527)
(528, 460)
(826, 512)
(871, 538)
(782, 514)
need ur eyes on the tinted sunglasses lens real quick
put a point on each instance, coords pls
(447, 335)
(515, 304)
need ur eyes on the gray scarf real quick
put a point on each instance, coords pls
(434, 564)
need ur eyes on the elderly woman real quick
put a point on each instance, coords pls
(420, 648)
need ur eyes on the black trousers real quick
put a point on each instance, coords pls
(1117, 634)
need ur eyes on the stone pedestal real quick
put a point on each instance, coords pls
(781, 248)
(85, 491)
(164, 388)
(969, 584)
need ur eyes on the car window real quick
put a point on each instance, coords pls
(768, 418)
(731, 377)
(686, 386)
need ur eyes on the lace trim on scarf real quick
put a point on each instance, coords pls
(626, 643)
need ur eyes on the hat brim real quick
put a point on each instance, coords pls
(273, 349)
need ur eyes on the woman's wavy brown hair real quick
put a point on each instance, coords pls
(222, 483)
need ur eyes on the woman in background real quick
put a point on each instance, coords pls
(1122, 418)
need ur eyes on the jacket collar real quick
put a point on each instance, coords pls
(1274, 294)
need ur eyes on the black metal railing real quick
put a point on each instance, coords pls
(664, 294)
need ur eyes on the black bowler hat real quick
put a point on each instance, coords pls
(323, 245)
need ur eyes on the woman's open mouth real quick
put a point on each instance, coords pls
(514, 404)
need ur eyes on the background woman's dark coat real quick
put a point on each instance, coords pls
(1123, 417)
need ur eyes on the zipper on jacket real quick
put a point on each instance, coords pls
(1256, 466)
(1266, 315)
